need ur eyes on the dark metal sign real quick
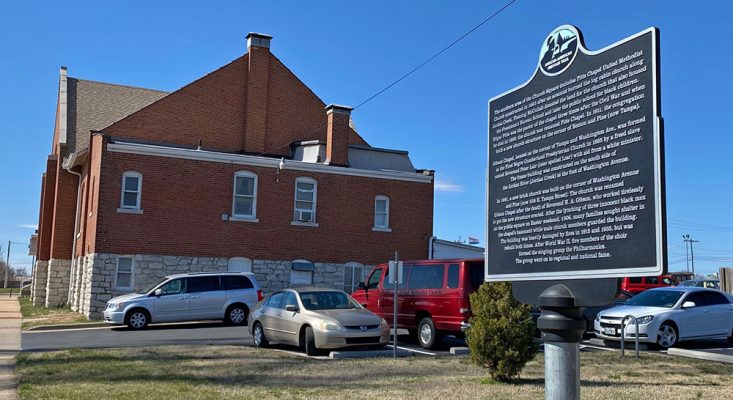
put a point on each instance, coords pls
(575, 184)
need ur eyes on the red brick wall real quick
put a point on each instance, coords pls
(45, 225)
(183, 200)
(64, 212)
(213, 109)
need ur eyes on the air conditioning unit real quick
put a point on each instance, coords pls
(304, 216)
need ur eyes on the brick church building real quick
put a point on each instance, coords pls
(244, 169)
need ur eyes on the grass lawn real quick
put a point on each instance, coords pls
(37, 315)
(233, 372)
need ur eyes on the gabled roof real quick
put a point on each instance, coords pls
(95, 105)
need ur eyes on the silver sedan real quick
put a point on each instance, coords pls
(316, 318)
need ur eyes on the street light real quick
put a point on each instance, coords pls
(7, 262)
(690, 240)
(687, 253)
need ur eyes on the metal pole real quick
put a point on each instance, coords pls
(692, 254)
(7, 267)
(394, 325)
(562, 371)
(562, 325)
(687, 253)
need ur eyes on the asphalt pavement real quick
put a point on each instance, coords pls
(200, 333)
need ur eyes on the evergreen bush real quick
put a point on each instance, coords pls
(501, 334)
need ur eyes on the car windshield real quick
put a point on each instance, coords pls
(688, 283)
(149, 288)
(656, 298)
(328, 301)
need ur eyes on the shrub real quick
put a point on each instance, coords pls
(501, 334)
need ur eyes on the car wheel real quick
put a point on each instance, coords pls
(236, 315)
(137, 319)
(667, 336)
(427, 335)
(730, 338)
(310, 342)
(258, 336)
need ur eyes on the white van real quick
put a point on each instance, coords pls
(227, 296)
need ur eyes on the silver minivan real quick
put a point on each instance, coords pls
(227, 296)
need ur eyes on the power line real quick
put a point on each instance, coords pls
(436, 54)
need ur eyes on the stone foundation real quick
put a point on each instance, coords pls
(57, 286)
(96, 276)
(40, 280)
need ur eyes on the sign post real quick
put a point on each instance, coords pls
(575, 186)
(395, 278)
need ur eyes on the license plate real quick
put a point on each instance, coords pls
(609, 331)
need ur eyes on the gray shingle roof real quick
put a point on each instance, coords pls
(95, 105)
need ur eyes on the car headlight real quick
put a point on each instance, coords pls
(384, 323)
(598, 317)
(327, 325)
(642, 320)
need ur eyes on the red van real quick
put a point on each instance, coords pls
(639, 284)
(432, 298)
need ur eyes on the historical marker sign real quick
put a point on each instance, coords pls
(575, 169)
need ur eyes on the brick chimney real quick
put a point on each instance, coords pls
(258, 70)
(337, 135)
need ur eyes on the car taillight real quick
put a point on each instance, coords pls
(259, 295)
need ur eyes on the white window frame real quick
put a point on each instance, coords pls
(131, 272)
(136, 209)
(296, 210)
(297, 275)
(242, 217)
(386, 227)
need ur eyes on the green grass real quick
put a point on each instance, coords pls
(40, 315)
(234, 372)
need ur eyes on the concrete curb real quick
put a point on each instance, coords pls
(459, 351)
(66, 326)
(700, 355)
(335, 355)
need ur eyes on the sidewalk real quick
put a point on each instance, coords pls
(10, 321)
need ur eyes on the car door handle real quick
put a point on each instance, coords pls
(183, 298)
(194, 297)
(280, 314)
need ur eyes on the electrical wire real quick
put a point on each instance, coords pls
(436, 54)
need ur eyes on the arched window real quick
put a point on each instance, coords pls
(239, 264)
(132, 183)
(244, 203)
(305, 200)
(381, 213)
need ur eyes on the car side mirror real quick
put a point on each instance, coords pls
(158, 292)
(361, 286)
(364, 305)
(291, 308)
(688, 304)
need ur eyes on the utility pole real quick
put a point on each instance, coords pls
(690, 240)
(687, 253)
(7, 267)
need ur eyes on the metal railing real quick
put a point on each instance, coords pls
(623, 334)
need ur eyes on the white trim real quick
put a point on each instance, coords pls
(314, 202)
(303, 223)
(131, 272)
(129, 211)
(202, 155)
(385, 227)
(63, 105)
(139, 191)
(242, 217)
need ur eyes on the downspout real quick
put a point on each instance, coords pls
(76, 224)
(430, 247)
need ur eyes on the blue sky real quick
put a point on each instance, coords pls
(348, 51)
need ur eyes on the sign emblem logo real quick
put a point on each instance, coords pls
(559, 50)
(363, 328)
